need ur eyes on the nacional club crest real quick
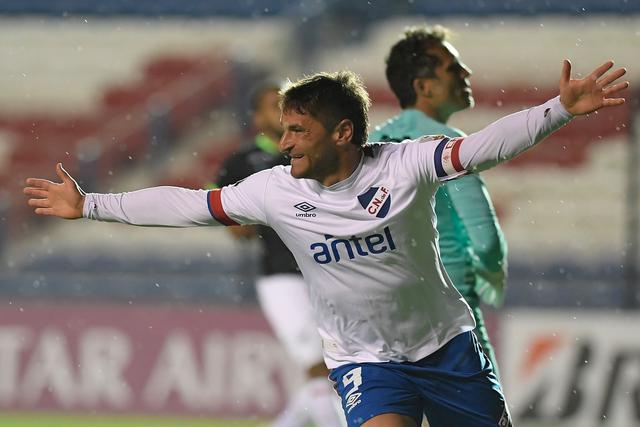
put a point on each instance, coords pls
(376, 201)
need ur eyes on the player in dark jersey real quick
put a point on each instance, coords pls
(281, 290)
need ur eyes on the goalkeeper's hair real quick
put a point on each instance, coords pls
(408, 60)
(258, 92)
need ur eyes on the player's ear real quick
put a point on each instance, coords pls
(343, 132)
(422, 87)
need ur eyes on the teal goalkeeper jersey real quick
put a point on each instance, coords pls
(472, 246)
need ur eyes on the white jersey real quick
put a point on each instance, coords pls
(363, 244)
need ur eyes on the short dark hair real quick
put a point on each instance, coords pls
(331, 97)
(259, 90)
(408, 60)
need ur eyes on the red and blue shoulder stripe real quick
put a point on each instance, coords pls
(214, 201)
(447, 157)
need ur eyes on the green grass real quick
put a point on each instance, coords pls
(64, 420)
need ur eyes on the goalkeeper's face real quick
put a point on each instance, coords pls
(451, 88)
(267, 115)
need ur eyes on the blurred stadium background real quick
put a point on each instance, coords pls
(106, 325)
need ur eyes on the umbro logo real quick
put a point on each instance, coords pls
(306, 209)
(304, 206)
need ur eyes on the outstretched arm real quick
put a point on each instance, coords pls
(511, 135)
(157, 206)
(515, 133)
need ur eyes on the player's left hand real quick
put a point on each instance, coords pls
(64, 199)
(595, 91)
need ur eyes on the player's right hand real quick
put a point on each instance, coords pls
(64, 200)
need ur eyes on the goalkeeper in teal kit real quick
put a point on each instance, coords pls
(431, 83)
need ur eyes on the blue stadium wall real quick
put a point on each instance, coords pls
(374, 9)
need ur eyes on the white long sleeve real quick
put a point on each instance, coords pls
(440, 158)
(157, 206)
(511, 135)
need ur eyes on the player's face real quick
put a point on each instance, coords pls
(267, 115)
(310, 146)
(451, 88)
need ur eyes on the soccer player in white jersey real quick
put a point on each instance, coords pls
(397, 335)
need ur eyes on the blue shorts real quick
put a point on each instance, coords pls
(455, 386)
